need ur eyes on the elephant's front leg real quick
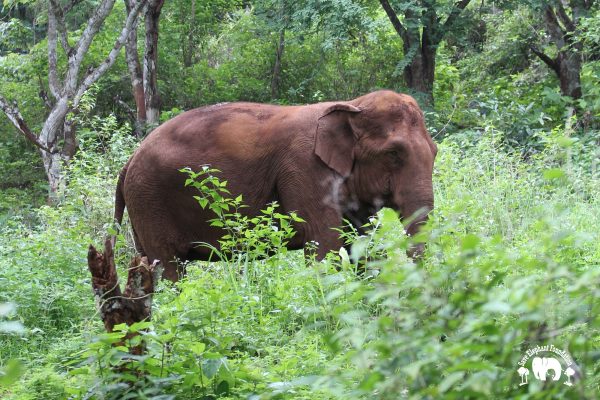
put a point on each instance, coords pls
(316, 202)
(320, 233)
(327, 243)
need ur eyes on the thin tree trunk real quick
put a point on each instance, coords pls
(136, 75)
(567, 64)
(188, 51)
(276, 79)
(153, 101)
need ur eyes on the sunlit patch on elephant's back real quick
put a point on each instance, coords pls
(243, 132)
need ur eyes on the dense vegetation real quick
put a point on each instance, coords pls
(514, 246)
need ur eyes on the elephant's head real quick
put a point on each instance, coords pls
(379, 145)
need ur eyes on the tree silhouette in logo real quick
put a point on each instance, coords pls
(569, 372)
(523, 372)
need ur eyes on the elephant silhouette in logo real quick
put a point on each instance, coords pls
(541, 366)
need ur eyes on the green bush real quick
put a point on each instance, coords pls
(43, 265)
(509, 266)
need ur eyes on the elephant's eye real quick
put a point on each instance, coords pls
(396, 156)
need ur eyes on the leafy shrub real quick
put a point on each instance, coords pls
(509, 267)
(42, 267)
(189, 353)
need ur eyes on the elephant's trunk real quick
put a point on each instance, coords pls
(415, 215)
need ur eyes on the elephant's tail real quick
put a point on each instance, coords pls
(119, 202)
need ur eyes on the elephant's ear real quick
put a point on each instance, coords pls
(334, 141)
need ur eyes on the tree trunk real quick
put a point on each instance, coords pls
(53, 166)
(188, 51)
(152, 97)
(136, 75)
(419, 73)
(420, 48)
(144, 81)
(54, 159)
(275, 81)
(567, 64)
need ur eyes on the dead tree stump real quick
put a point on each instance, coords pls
(132, 305)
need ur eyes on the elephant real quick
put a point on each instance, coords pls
(327, 162)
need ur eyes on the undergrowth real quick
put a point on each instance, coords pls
(512, 262)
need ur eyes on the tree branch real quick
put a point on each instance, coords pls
(553, 27)
(553, 64)
(43, 94)
(92, 28)
(456, 10)
(564, 17)
(59, 15)
(400, 29)
(14, 115)
(70, 6)
(132, 114)
(97, 72)
(53, 83)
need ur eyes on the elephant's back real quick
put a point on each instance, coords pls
(239, 139)
(236, 131)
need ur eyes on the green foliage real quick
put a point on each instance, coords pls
(247, 237)
(11, 371)
(13, 35)
(506, 270)
(42, 257)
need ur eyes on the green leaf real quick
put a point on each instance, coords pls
(10, 372)
(449, 381)
(211, 366)
(203, 202)
(553, 173)
(470, 242)
(197, 348)
(139, 326)
(565, 141)
(222, 388)
(369, 382)
(499, 307)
